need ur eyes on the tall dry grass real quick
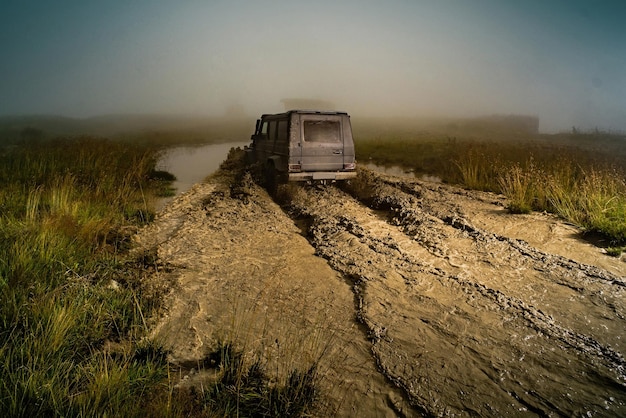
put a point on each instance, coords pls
(579, 177)
(519, 186)
(594, 198)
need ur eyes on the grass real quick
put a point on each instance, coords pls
(66, 212)
(517, 184)
(239, 388)
(579, 176)
(152, 130)
(244, 389)
(594, 198)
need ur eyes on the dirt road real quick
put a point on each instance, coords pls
(416, 298)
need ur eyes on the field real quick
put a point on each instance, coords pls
(579, 176)
(73, 308)
(81, 332)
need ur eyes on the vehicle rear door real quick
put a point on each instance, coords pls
(322, 142)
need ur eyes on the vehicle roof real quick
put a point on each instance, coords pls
(305, 112)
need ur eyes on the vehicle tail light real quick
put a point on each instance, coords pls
(349, 166)
(295, 167)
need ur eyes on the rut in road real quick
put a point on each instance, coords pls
(243, 274)
(466, 321)
(458, 315)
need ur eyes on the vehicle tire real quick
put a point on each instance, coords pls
(249, 153)
(271, 179)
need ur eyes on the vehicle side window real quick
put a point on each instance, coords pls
(283, 131)
(272, 130)
(264, 129)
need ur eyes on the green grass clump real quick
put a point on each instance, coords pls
(595, 199)
(163, 181)
(67, 209)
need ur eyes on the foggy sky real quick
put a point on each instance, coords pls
(562, 60)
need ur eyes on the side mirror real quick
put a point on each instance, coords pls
(258, 125)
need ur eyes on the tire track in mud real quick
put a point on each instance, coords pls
(586, 280)
(465, 321)
(244, 274)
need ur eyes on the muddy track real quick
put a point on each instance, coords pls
(467, 321)
(420, 298)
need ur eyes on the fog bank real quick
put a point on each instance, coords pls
(564, 62)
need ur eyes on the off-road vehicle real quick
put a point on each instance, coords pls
(303, 145)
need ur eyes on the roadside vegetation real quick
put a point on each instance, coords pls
(579, 176)
(152, 130)
(244, 388)
(75, 306)
(72, 308)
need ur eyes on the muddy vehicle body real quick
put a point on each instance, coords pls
(303, 145)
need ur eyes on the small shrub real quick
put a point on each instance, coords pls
(516, 184)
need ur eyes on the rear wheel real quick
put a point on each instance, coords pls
(271, 179)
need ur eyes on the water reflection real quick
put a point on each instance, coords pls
(191, 165)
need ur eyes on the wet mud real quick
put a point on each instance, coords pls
(416, 298)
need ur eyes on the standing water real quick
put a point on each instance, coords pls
(191, 164)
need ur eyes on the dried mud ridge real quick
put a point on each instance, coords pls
(459, 315)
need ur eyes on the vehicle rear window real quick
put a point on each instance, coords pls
(321, 131)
